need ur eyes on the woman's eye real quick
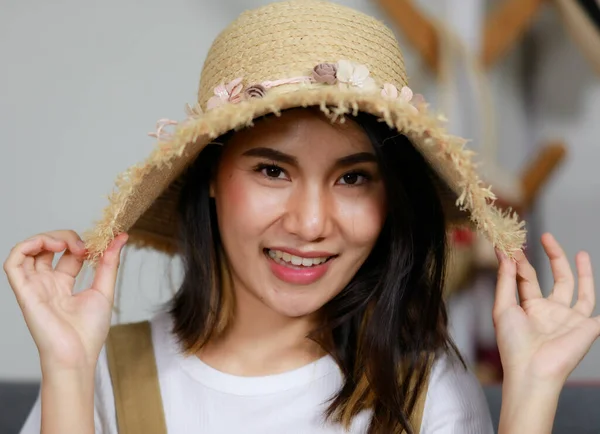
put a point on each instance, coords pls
(353, 178)
(273, 172)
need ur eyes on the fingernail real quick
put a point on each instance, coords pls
(80, 244)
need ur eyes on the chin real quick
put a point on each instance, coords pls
(294, 305)
(293, 312)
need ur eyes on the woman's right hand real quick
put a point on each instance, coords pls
(69, 329)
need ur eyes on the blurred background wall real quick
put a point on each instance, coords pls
(81, 83)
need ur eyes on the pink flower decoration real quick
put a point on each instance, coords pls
(354, 75)
(224, 93)
(160, 132)
(419, 102)
(407, 95)
(325, 73)
(194, 111)
(255, 91)
(389, 91)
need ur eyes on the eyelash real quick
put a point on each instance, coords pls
(260, 168)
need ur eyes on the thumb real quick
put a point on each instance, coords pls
(506, 285)
(108, 267)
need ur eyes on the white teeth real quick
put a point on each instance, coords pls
(295, 260)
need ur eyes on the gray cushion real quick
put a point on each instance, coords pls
(16, 400)
(577, 413)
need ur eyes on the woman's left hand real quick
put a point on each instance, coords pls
(544, 338)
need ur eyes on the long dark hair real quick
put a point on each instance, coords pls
(384, 326)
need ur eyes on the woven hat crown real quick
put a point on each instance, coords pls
(288, 39)
(283, 56)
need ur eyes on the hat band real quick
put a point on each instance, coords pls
(345, 74)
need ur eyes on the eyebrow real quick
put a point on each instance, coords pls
(282, 157)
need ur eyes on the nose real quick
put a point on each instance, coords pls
(308, 213)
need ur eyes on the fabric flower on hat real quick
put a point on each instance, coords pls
(325, 73)
(389, 91)
(255, 91)
(405, 94)
(350, 74)
(161, 134)
(194, 111)
(224, 93)
(419, 102)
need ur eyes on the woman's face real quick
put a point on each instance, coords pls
(300, 204)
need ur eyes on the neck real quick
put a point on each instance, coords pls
(259, 341)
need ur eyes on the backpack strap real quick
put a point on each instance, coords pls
(134, 378)
(416, 417)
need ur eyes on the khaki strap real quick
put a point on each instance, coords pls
(416, 417)
(134, 378)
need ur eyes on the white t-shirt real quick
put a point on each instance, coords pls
(199, 399)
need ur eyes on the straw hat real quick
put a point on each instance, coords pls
(295, 53)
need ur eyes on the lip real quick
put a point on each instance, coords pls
(297, 275)
(295, 252)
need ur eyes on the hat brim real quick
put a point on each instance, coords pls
(145, 197)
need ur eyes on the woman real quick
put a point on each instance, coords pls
(313, 254)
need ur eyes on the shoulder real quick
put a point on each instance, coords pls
(455, 402)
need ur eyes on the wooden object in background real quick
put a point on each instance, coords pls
(503, 28)
(418, 29)
(535, 175)
(539, 171)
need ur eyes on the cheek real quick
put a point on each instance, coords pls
(362, 217)
(243, 207)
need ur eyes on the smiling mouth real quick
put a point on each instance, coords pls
(288, 260)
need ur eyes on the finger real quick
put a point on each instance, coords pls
(74, 244)
(586, 293)
(564, 282)
(45, 256)
(17, 265)
(506, 286)
(71, 263)
(29, 265)
(43, 261)
(527, 281)
(21, 260)
(107, 269)
(72, 238)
